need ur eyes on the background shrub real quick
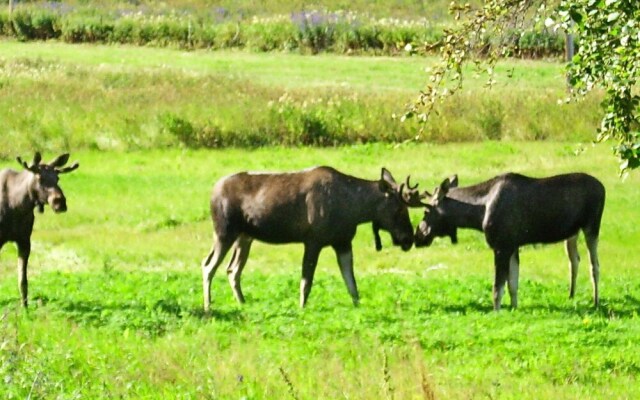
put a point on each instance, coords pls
(309, 32)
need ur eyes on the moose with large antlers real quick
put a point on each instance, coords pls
(21, 193)
(318, 207)
(513, 210)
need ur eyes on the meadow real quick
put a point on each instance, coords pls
(116, 293)
(127, 98)
(115, 283)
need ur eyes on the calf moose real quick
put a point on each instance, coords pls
(318, 207)
(513, 210)
(20, 193)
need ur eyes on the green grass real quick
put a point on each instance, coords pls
(116, 295)
(289, 71)
(56, 95)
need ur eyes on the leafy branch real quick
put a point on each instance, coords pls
(607, 56)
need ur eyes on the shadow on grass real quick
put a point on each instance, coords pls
(9, 302)
(155, 319)
(624, 307)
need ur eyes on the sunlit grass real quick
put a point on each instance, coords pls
(116, 294)
(58, 96)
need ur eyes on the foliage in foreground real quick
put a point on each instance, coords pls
(607, 36)
(142, 334)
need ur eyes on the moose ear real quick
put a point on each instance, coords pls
(453, 181)
(442, 190)
(387, 183)
(60, 160)
(444, 187)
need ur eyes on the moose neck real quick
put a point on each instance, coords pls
(364, 200)
(465, 207)
(22, 194)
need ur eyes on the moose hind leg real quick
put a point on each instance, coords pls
(501, 261)
(592, 246)
(241, 250)
(512, 281)
(571, 248)
(309, 263)
(24, 249)
(210, 265)
(345, 261)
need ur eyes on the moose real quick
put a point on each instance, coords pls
(21, 193)
(513, 210)
(317, 207)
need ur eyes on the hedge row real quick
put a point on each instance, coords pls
(305, 32)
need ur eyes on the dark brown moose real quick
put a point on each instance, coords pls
(318, 207)
(20, 193)
(513, 210)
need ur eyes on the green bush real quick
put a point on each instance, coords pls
(270, 36)
(123, 31)
(540, 44)
(307, 32)
(34, 25)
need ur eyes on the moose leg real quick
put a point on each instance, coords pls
(24, 249)
(501, 261)
(512, 281)
(592, 246)
(309, 262)
(210, 265)
(571, 247)
(345, 261)
(241, 250)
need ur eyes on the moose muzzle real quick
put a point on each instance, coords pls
(58, 202)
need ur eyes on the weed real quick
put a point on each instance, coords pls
(287, 380)
(387, 387)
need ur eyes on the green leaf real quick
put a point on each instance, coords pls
(575, 17)
(613, 16)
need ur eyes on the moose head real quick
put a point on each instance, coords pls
(435, 222)
(44, 187)
(410, 197)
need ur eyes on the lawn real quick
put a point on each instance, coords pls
(116, 296)
(55, 95)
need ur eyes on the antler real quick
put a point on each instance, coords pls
(68, 169)
(412, 197)
(34, 166)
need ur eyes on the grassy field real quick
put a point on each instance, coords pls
(115, 285)
(116, 299)
(55, 95)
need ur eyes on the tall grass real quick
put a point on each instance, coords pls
(300, 30)
(62, 96)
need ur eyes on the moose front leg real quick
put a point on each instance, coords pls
(309, 262)
(512, 281)
(345, 261)
(24, 249)
(592, 246)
